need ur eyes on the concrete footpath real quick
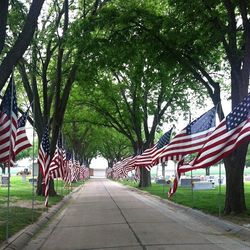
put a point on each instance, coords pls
(106, 215)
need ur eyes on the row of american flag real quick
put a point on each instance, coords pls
(201, 140)
(62, 165)
(13, 140)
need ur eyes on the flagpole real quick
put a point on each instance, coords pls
(219, 198)
(10, 156)
(33, 165)
(192, 186)
(62, 178)
(219, 190)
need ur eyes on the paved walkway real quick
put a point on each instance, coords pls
(106, 215)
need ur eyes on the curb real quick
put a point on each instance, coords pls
(227, 227)
(20, 239)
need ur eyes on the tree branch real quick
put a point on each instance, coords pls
(4, 4)
(22, 42)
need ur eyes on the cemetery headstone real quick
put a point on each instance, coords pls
(4, 180)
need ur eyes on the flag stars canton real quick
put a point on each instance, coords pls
(45, 141)
(68, 156)
(22, 120)
(164, 139)
(239, 114)
(6, 103)
(202, 123)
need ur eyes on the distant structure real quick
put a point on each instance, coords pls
(91, 171)
(97, 173)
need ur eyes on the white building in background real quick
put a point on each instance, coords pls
(99, 166)
(99, 173)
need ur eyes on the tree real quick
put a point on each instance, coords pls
(225, 25)
(84, 134)
(130, 83)
(11, 55)
(206, 38)
(49, 69)
(115, 148)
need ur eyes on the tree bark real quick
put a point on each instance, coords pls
(40, 190)
(208, 171)
(145, 178)
(234, 166)
(22, 42)
(3, 22)
(3, 167)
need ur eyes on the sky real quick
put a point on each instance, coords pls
(99, 163)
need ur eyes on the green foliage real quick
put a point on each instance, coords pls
(127, 77)
(17, 15)
(113, 146)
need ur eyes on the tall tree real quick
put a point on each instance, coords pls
(209, 40)
(49, 69)
(11, 55)
(129, 83)
(224, 28)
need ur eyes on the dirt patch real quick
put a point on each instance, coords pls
(24, 204)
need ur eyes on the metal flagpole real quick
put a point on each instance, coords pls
(10, 156)
(192, 186)
(62, 178)
(219, 196)
(33, 165)
(219, 190)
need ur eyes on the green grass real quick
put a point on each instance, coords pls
(208, 201)
(20, 212)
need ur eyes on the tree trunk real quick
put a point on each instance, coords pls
(208, 171)
(4, 4)
(40, 186)
(234, 166)
(22, 42)
(145, 179)
(3, 167)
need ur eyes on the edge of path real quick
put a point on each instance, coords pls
(228, 227)
(20, 239)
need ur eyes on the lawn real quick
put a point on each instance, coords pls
(24, 207)
(208, 201)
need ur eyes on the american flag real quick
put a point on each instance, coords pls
(119, 169)
(131, 162)
(57, 160)
(86, 172)
(56, 167)
(191, 138)
(75, 170)
(44, 161)
(22, 141)
(8, 123)
(57, 173)
(126, 167)
(150, 156)
(67, 167)
(227, 136)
